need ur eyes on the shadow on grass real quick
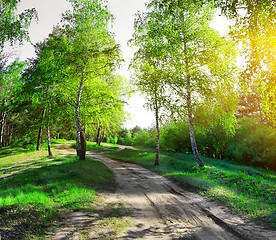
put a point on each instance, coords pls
(31, 200)
(16, 149)
(8, 151)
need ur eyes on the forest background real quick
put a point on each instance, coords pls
(203, 103)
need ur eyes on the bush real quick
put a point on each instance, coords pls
(253, 144)
(175, 137)
(213, 142)
(128, 138)
(125, 137)
(112, 140)
(141, 138)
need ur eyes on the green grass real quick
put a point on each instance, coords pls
(25, 152)
(246, 190)
(32, 200)
(92, 146)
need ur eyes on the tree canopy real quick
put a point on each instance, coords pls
(14, 26)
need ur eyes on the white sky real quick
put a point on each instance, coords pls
(49, 13)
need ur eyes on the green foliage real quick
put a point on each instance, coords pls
(128, 138)
(125, 137)
(253, 144)
(211, 141)
(175, 136)
(10, 85)
(245, 190)
(214, 138)
(255, 29)
(14, 26)
(113, 140)
(141, 138)
(106, 108)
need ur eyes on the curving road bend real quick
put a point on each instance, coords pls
(159, 209)
(160, 212)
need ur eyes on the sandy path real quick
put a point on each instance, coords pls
(159, 213)
(158, 209)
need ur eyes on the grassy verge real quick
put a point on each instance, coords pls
(92, 146)
(246, 190)
(31, 200)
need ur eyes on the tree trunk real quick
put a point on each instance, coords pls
(48, 129)
(101, 138)
(49, 139)
(83, 146)
(190, 115)
(157, 131)
(40, 132)
(2, 128)
(80, 136)
(78, 127)
(98, 140)
(10, 134)
(193, 141)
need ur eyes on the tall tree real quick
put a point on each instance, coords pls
(87, 50)
(148, 77)
(196, 59)
(42, 86)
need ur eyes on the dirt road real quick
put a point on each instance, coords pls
(155, 208)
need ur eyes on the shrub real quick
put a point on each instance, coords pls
(112, 140)
(125, 137)
(141, 138)
(253, 144)
(213, 141)
(128, 138)
(175, 137)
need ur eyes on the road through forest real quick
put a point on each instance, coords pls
(155, 208)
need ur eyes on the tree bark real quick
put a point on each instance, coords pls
(98, 140)
(49, 139)
(157, 130)
(2, 128)
(40, 132)
(193, 141)
(83, 146)
(10, 135)
(101, 138)
(190, 115)
(80, 136)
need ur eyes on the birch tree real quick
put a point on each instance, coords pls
(88, 50)
(198, 62)
(148, 77)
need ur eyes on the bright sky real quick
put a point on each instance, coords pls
(49, 13)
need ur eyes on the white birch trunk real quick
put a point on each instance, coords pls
(80, 137)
